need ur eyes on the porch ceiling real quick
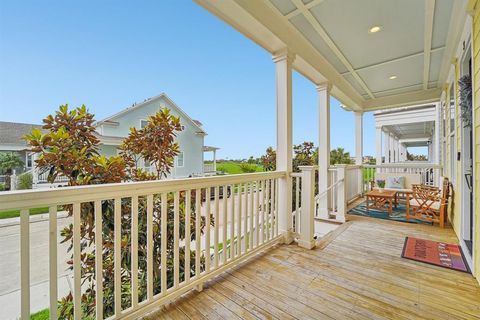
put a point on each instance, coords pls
(332, 43)
(416, 130)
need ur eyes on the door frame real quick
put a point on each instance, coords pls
(467, 222)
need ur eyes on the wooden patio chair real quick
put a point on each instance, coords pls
(428, 203)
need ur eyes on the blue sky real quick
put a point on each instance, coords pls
(109, 54)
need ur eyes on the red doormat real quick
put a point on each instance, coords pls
(437, 253)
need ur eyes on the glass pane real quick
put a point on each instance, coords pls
(452, 109)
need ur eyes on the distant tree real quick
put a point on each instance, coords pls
(269, 159)
(304, 155)
(339, 156)
(416, 157)
(10, 161)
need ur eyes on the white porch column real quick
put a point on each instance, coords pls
(402, 153)
(323, 147)
(358, 138)
(378, 145)
(395, 149)
(436, 136)
(391, 148)
(307, 222)
(215, 160)
(387, 146)
(283, 65)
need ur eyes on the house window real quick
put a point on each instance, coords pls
(143, 123)
(453, 149)
(180, 159)
(29, 160)
(146, 165)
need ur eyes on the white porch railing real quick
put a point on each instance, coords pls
(39, 178)
(208, 167)
(430, 173)
(348, 182)
(244, 222)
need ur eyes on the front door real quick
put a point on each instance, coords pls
(466, 176)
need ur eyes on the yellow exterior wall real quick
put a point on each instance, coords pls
(454, 211)
(476, 132)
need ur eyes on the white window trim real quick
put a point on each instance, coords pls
(28, 154)
(140, 121)
(183, 162)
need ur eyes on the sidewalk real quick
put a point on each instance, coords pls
(35, 218)
(39, 277)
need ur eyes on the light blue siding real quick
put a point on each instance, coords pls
(190, 140)
(108, 150)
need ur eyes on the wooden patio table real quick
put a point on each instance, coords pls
(381, 200)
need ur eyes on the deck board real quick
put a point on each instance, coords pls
(355, 273)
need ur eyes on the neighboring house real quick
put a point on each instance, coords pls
(11, 140)
(115, 128)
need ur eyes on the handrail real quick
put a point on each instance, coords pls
(328, 189)
(404, 165)
(24, 199)
(249, 212)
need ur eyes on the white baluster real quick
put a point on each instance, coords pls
(98, 260)
(52, 244)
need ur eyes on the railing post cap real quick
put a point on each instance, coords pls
(308, 168)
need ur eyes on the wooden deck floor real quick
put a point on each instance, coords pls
(356, 273)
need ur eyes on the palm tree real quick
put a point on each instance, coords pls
(339, 156)
(10, 161)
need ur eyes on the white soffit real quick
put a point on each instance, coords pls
(409, 46)
(412, 130)
(332, 37)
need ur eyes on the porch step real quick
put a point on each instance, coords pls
(329, 220)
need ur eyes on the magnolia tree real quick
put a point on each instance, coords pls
(69, 148)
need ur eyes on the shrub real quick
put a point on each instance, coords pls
(2, 187)
(248, 168)
(24, 181)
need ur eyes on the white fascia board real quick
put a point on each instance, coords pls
(13, 147)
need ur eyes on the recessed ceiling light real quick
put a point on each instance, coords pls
(374, 29)
(392, 77)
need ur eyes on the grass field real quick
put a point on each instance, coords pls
(232, 167)
(16, 213)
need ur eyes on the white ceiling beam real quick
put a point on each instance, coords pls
(296, 12)
(400, 88)
(424, 139)
(404, 99)
(427, 41)
(316, 25)
(398, 59)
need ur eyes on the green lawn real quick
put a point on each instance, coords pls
(16, 213)
(231, 167)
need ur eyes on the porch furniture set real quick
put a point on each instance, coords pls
(426, 203)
